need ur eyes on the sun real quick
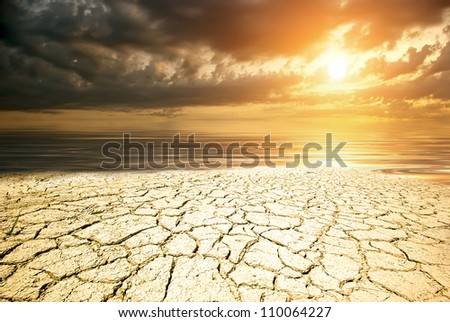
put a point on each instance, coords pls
(337, 69)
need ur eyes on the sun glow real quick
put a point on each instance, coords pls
(337, 69)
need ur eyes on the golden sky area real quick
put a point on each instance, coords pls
(240, 65)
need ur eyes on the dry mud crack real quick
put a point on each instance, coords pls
(224, 235)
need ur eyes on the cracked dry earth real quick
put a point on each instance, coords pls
(224, 235)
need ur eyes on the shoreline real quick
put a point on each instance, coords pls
(411, 173)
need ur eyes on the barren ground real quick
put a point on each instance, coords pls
(224, 235)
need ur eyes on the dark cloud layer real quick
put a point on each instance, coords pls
(382, 21)
(410, 63)
(72, 54)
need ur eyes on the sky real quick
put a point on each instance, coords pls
(218, 66)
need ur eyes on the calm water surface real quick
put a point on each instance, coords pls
(427, 157)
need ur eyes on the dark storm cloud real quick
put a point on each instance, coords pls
(248, 28)
(72, 54)
(434, 82)
(46, 86)
(409, 63)
(442, 64)
(384, 21)
(258, 27)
